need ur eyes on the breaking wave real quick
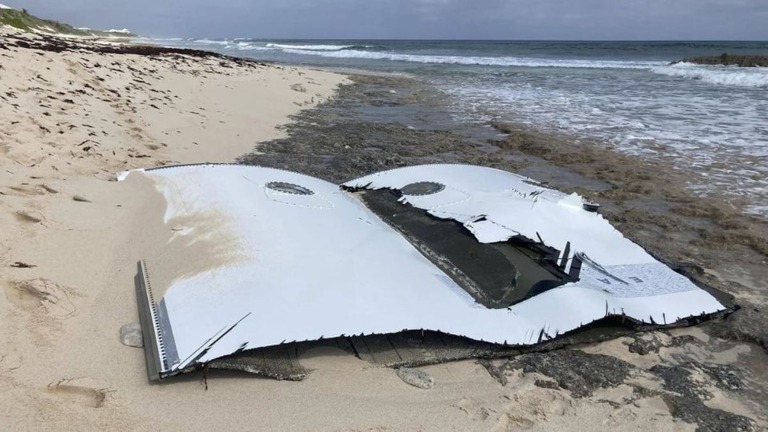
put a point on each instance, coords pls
(721, 75)
(310, 47)
(208, 42)
(479, 61)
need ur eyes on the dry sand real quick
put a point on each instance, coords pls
(70, 121)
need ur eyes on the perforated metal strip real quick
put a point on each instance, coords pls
(154, 346)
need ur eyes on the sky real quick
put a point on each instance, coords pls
(419, 19)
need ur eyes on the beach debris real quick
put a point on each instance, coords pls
(19, 264)
(499, 261)
(415, 377)
(80, 198)
(130, 335)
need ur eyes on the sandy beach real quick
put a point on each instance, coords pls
(71, 236)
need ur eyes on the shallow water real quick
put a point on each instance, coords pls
(708, 120)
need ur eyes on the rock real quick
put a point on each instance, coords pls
(130, 335)
(652, 343)
(686, 396)
(416, 378)
(79, 198)
(547, 384)
(576, 371)
(729, 60)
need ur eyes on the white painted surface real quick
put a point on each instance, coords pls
(512, 206)
(323, 265)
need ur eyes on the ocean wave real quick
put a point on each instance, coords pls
(208, 42)
(721, 75)
(479, 61)
(244, 45)
(309, 47)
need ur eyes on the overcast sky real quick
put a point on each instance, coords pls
(419, 19)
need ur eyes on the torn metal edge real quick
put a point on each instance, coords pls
(153, 325)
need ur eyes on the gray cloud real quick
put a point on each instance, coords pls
(416, 19)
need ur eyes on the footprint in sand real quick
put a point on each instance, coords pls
(36, 294)
(474, 410)
(512, 422)
(28, 216)
(26, 190)
(85, 392)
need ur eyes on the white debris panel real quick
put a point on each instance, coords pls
(311, 261)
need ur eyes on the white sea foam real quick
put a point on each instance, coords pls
(472, 60)
(247, 46)
(209, 42)
(309, 47)
(707, 119)
(715, 131)
(721, 75)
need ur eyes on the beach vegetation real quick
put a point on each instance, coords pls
(23, 20)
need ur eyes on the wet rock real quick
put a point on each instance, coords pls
(652, 343)
(130, 335)
(416, 378)
(352, 122)
(726, 377)
(686, 402)
(726, 59)
(367, 128)
(747, 324)
(576, 371)
(644, 346)
(546, 384)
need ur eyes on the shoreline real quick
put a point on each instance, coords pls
(61, 358)
(715, 245)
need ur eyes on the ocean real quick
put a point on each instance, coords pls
(711, 121)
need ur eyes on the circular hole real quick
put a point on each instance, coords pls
(422, 188)
(289, 188)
